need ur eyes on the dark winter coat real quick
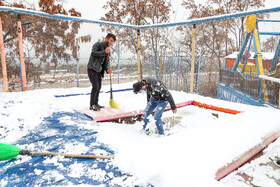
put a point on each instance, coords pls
(158, 91)
(98, 60)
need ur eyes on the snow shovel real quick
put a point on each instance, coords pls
(8, 151)
(113, 104)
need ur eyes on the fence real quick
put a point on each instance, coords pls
(41, 72)
(174, 71)
(250, 89)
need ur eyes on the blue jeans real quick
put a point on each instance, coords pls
(160, 105)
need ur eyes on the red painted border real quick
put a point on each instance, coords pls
(224, 171)
(141, 112)
(125, 115)
(226, 110)
(137, 113)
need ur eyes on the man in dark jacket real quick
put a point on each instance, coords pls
(158, 97)
(97, 65)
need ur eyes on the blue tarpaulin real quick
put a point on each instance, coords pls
(52, 135)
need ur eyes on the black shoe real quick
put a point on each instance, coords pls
(94, 108)
(278, 163)
(99, 106)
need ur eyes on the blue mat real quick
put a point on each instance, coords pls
(52, 135)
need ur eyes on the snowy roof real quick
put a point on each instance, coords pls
(265, 55)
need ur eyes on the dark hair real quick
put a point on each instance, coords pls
(137, 87)
(110, 35)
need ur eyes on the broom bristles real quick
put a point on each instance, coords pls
(113, 104)
(8, 151)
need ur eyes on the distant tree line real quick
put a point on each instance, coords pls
(214, 39)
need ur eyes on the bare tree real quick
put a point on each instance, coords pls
(217, 38)
(236, 26)
(220, 37)
(142, 12)
(269, 45)
(42, 37)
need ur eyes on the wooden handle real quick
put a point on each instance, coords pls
(72, 155)
(110, 73)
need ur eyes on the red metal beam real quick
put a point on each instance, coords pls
(23, 71)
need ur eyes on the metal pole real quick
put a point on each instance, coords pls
(77, 60)
(20, 74)
(118, 64)
(279, 98)
(245, 89)
(138, 56)
(3, 60)
(23, 71)
(177, 76)
(197, 74)
(160, 62)
(260, 90)
(243, 47)
(258, 55)
(193, 57)
(151, 69)
(234, 79)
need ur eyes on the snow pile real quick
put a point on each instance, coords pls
(198, 141)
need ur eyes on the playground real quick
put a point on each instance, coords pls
(209, 142)
(196, 138)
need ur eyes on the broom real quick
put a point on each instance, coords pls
(113, 104)
(8, 151)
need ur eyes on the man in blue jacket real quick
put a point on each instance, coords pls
(158, 97)
(97, 65)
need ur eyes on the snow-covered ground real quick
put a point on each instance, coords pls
(198, 141)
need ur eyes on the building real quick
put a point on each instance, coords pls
(266, 59)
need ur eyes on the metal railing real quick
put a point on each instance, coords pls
(250, 89)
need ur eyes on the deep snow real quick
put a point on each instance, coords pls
(197, 143)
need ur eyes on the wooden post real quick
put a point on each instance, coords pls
(3, 59)
(23, 71)
(138, 56)
(192, 57)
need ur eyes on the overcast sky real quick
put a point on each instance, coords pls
(92, 9)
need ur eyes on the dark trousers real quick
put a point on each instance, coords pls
(95, 79)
